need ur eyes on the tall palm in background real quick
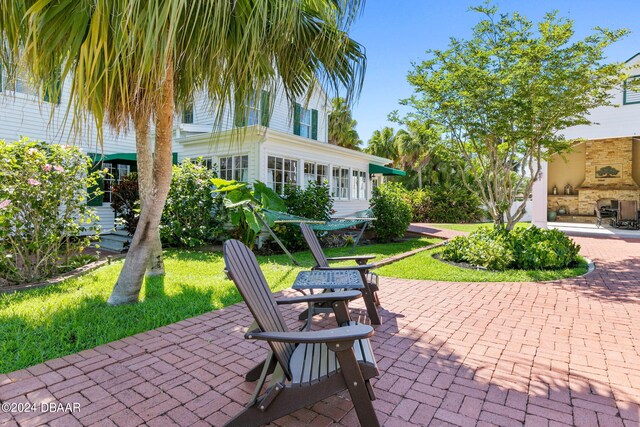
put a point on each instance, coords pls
(415, 147)
(383, 143)
(134, 61)
(342, 127)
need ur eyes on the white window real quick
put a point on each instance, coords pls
(281, 172)
(234, 168)
(253, 111)
(362, 182)
(305, 122)
(21, 84)
(358, 185)
(340, 187)
(114, 176)
(315, 172)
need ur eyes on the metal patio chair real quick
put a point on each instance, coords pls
(370, 291)
(627, 214)
(309, 365)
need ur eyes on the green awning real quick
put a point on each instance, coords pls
(384, 170)
(123, 157)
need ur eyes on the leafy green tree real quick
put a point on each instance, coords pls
(134, 61)
(342, 127)
(503, 96)
(383, 143)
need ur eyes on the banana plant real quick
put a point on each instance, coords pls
(246, 205)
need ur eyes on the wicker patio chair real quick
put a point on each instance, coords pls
(370, 291)
(310, 365)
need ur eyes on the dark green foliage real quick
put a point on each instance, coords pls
(193, 215)
(499, 249)
(314, 202)
(392, 211)
(125, 201)
(446, 205)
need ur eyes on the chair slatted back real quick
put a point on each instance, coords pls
(314, 245)
(628, 210)
(242, 267)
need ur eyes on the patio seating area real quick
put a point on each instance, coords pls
(553, 353)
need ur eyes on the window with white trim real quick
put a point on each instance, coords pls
(280, 172)
(305, 122)
(340, 185)
(253, 111)
(114, 175)
(358, 185)
(20, 84)
(315, 172)
(234, 168)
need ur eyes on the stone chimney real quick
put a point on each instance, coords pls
(609, 164)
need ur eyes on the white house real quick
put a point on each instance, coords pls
(278, 146)
(574, 181)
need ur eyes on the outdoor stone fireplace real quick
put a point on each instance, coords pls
(607, 172)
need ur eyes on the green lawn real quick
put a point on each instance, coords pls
(72, 316)
(473, 227)
(423, 266)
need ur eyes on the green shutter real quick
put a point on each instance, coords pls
(296, 119)
(241, 118)
(265, 109)
(314, 124)
(52, 90)
(174, 158)
(97, 200)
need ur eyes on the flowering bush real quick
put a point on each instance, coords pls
(193, 214)
(43, 208)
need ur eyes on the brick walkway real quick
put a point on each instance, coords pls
(557, 353)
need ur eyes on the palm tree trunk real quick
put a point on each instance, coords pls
(127, 288)
(419, 176)
(144, 155)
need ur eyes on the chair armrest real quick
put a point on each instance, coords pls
(360, 259)
(325, 296)
(343, 334)
(364, 267)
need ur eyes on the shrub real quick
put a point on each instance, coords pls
(538, 248)
(448, 205)
(43, 208)
(314, 202)
(125, 201)
(392, 211)
(530, 248)
(193, 215)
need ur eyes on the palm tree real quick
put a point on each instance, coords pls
(415, 147)
(383, 143)
(342, 127)
(134, 61)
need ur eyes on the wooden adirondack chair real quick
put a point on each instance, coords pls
(309, 365)
(370, 291)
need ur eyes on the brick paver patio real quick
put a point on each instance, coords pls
(508, 354)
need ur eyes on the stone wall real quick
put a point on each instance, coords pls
(569, 202)
(614, 152)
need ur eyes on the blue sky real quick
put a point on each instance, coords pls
(397, 33)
